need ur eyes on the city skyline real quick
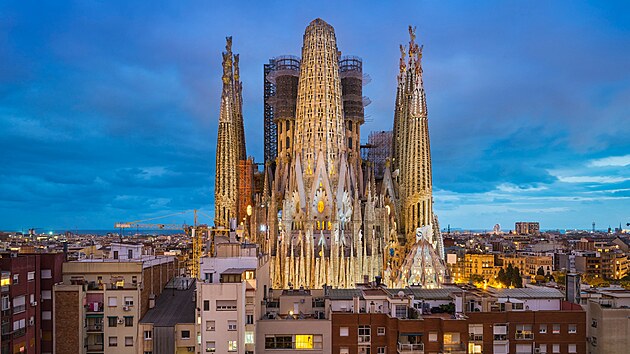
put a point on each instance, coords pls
(109, 112)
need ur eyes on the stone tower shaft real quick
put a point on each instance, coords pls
(413, 149)
(319, 126)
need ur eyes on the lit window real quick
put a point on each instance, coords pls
(249, 337)
(524, 331)
(451, 338)
(303, 341)
(232, 346)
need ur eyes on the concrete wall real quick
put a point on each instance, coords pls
(608, 329)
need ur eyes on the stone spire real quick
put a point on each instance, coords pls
(414, 148)
(319, 125)
(225, 184)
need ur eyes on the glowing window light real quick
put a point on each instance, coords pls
(303, 341)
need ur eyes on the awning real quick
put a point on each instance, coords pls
(411, 334)
(94, 315)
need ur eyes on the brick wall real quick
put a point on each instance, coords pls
(67, 321)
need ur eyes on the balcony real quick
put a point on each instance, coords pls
(408, 348)
(94, 307)
(95, 327)
(458, 348)
(19, 332)
(94, 348)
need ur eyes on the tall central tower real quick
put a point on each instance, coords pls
(319, 125)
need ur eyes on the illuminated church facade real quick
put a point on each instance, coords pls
(325, 218)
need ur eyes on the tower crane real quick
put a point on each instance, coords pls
(195, 232)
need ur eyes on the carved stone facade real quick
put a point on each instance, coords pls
(324, 218)
(230, 141)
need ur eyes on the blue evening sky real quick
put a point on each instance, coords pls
(109, 109)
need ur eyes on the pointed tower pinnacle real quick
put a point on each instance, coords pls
(225, 186)
(413, 149)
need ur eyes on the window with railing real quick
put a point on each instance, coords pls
(500, 332)
(475, 332)
(524, 331)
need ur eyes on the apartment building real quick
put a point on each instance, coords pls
(293, 320)
(528, 320)
(27, 282)
(473, 264)
(227, 298)
(608, 327)
(527, 228)
(169, 327)
(103, 300)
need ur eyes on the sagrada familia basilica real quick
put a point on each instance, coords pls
(323, 217)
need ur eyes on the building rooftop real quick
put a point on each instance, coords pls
(172, 307)
(146, 260)
(528, 293)
(431, 294)
(344, 294)
(236, 271)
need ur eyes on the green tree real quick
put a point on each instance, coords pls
(540, 271)
(476, 278)
(501, 276)
(517, 279)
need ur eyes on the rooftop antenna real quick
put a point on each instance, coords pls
(593, 226)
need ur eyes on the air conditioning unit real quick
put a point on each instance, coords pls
(121, 321)
(125, 308)
(537, 350)
(31, 322)
(34, 303)
(191, 349)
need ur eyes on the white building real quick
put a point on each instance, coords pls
(227, 298)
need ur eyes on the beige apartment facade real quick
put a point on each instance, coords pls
(107, 298)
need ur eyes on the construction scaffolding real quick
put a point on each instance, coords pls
(351, 75)
(285, 78)
(270, 127)
(379, 149)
